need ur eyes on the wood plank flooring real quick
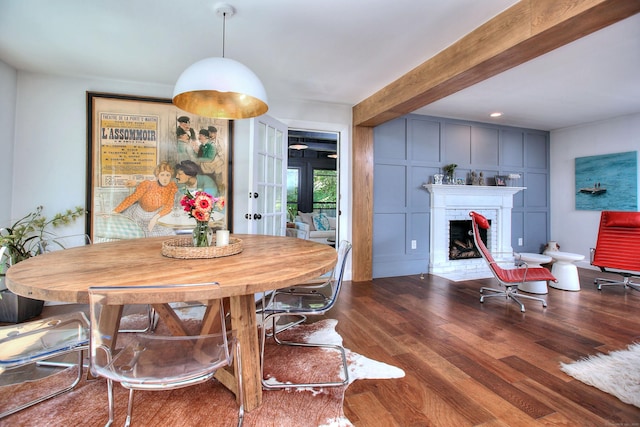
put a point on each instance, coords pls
(473, 364)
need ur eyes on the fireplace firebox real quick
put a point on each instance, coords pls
(461, 244)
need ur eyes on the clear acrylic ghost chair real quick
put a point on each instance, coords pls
(153, 361)
(313, 301)
(34, 342)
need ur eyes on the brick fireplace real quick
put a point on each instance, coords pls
(453, 203)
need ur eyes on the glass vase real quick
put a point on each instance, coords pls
(202, 235)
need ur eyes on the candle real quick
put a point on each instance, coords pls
(222, 237)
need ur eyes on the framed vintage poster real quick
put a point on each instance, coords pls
(143, 154)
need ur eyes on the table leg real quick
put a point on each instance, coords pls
(243, 320)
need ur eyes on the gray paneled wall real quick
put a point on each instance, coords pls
(410, 149)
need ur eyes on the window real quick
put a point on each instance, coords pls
(325, 184)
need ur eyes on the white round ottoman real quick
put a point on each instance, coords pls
(565, 270)
(533, 261)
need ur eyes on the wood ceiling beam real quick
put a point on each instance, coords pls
(525, 31)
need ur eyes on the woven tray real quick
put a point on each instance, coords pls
(182, 247)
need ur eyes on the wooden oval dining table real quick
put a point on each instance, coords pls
(265, 263)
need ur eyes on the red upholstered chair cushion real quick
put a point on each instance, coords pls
(618, 244)
(480, 220)
(620, 219)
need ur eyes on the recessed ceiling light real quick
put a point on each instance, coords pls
(496, 114)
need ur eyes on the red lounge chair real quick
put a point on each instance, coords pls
(509, 278)
(618, 248)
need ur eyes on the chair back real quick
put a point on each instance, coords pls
(63, 242)
(5, 263)
(155, 360)
(296, 232)
(111, 227)
(338, 271)
(618, 244)
(478, 221)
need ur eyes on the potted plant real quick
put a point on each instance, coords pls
(21, 241)
(449, 171)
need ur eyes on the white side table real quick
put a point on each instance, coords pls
(533, 261)
(565, 270)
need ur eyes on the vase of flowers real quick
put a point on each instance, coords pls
(199, 206)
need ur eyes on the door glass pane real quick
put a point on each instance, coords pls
(293, 179)
(261, 137)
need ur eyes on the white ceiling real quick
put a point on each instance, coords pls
(338, 51)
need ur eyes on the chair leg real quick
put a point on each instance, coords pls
(127, 422)
(238, 362)
(268, 386)
(152, 322)
(512, 293)
(50, 395)
(110, 402)
(626, 282)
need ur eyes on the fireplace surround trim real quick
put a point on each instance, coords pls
(455, 201)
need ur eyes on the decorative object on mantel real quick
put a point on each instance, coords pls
(501, 180)
(19, 242)
(481, 179)
(514, 179)
(449, 171)
(437, 179)
(552, 246)
(220, 87)
(474, 178)
(199, 207)
(182, 247)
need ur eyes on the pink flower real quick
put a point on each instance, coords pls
(200, 205)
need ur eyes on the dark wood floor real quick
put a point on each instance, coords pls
(473, 364)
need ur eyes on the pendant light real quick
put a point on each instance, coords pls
(220, 87)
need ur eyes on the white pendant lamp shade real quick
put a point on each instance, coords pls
(220, 88)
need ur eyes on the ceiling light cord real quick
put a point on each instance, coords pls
(224, 30)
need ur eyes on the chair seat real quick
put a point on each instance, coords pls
(292, 302)
(36, 341)
(517, 275)
(41, 339)
(165, 362)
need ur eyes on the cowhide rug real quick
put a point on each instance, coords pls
(211, 404)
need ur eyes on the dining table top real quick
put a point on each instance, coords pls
(265, 263)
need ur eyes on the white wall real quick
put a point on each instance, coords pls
(50, 143)
(8, 87)
(576, 230)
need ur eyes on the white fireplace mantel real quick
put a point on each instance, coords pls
(454, 202)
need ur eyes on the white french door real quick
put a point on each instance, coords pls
(268, 183)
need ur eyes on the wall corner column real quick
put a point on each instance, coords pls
(362, 196)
